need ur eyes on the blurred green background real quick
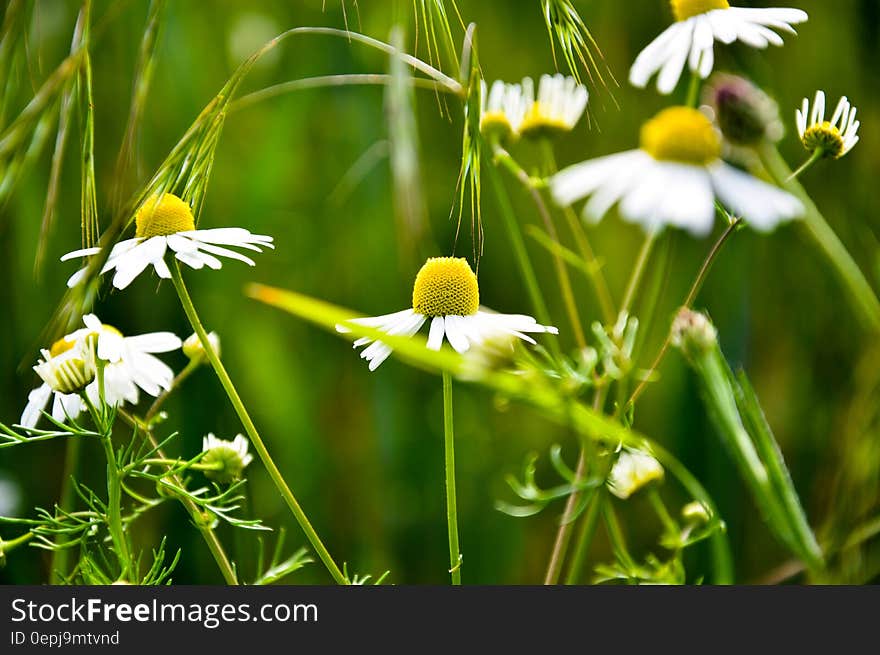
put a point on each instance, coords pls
(363, 451)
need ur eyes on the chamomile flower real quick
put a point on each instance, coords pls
(834, 138)
(230, 457)
(691, 39)
(446, 293)
(166, 222)
(673, 179)
(502, 109)
(633, 470)
(70, 366)
(560, 103)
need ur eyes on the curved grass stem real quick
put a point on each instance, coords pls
(250, 428)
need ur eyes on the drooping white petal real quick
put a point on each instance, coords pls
(455, 335)
(762, 205)
(37, 400)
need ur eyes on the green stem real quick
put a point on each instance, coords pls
(561, 271)
(59, 558)
(250, 428)
(818, 153)
(688, 301)
(615, 536)
(520, 253)
(12, 544)
(600, 284)
(204, 527)
(195, 466)
(861, 293)
(638, 272)
(563, 532)
(451, 503)
(693, 94)
(114, 512)
(585, 537)
(669, 524)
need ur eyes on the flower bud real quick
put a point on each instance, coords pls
(744, 113)
(633, 470)
(229, 457)
(193, 348)
(695, 512)
(693, 333)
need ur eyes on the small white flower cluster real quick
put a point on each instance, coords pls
(509, 111)
(127, 364)
(97, 364)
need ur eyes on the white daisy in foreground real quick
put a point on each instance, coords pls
(229, 457)
(502, 109)
(70, 366)
(833, 138)
(632, 471)
(691, 39)
(165, 223)
(446, 292)
(560, 103)
(673, 179)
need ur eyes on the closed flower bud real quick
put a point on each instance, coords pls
(193, 348)
(693, 333)
(695, 512)
(746, 115)
(633, 470)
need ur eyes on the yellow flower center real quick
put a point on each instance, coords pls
(684, 9)
(681, 134)
(163, 215)
(494, 124)
(446, 286)
(60, 347)
(537, 123)
(826, 137)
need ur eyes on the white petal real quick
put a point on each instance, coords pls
(762, 205)
(435, 335)
(154, 342)
(37, 400)
(455, 335)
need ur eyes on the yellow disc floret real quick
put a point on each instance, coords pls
(684, 9)
(825, 137)
(163, 215)
(681, 134)
(61, 346)
(495, 126)
(539, 123)
(446, 286)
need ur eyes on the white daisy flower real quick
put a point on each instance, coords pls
(447, 293)
(633, 470)
(502, 109)
(834, 138)
(230, 457)
(164, 223)
(673, 179)
(128, 363)
(691, 39)
(559, 106)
